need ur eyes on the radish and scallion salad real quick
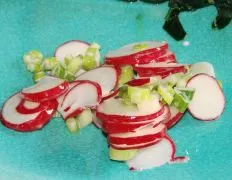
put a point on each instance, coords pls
(135, 96)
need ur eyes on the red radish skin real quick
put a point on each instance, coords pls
(146, 134)
(175, 117)
(23, 109)
(168, 57)
(138, 82)
(47, 94)
(161, 153)
(110, 127)
(174, 159)
(68, 110)
(102, 76)
(122, 127)
(125, 118)
(164, 71)
(39, 121)
(137, 146)
(208, 102)
(111, 95)
(141, 57)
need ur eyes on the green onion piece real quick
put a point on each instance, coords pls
(123, 94)
(58, 71)
(69, 76)
(89, 60)
(72, 125)
(182, 98)
(33, 56)
(34, 67)
(166, 92)
(127, 74)
(38, 76)
(139, 94)
(85, 118)
(140, 47)
(49, 63)
(173, 79)
(122, 155)
(73, 64)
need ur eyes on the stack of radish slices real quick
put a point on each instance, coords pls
(135, 111)
(33, 107)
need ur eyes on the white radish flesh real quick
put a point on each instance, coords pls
(202, 67)
(25, 122)
(117, 107)
(153, 156)
(208, 101)
(85, 94)
(128, 49)
(105, 76)
(147, 130)
(73, 48)
(46, 89)
(12, 115)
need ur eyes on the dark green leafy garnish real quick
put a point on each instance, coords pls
(172, 24)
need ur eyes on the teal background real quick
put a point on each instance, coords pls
(54, 153)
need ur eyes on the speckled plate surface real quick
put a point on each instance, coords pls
(54, 153)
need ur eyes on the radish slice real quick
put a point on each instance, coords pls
(25, 122)
(46, 89)
(127, 55)
(73, 48)
(208, 101)
(153, 156)
(159, 69)
(84, 94)
(138, 82)
(111, 95)
(29, 107)
(142, 135)
(115, 110)
(106, 76)
(202, 67)
(175, 117)
(134, 146)
(168, 57)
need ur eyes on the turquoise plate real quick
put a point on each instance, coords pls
(55, 154)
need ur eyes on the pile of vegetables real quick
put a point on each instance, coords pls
(172, 23)
(139, 93)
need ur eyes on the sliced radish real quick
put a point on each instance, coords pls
(126, 54)
(83, 94)
(175, 117)
(115, 110)
(153, 156)
(106, 76)
(46, 89)
(142, 135)
(29, 107)
(168, 57)
(118, 127)
(202, 67)
(159, 69)
(135, 146)
(25, 122)
(73, 48)
(208, 101)
(111, 95)
(138, 82)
